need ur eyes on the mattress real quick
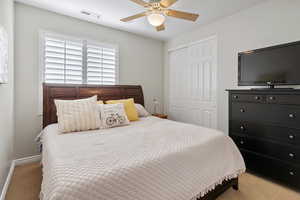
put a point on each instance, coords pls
(151, 159)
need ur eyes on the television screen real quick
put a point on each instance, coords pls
(279, 65)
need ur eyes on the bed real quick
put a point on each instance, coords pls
(151, 159)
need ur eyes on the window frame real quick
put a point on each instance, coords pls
(43, 34)
(41, 63)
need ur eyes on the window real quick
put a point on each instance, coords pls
(101, 65)
(73, 61)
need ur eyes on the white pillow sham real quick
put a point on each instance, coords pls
(77, 115)
(113, 115)
(142, 112)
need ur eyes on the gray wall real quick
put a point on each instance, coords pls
(141, 62)
(270, 23)
(7, 96)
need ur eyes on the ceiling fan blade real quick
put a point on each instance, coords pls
(161, 27)
(127, 19)
(141, 2)
(182, 15)
(167, 3)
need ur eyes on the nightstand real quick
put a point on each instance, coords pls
(162, 116)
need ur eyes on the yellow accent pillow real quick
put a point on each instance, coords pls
(100, 102)
(129, 106)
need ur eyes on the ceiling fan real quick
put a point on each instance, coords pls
(156, 13)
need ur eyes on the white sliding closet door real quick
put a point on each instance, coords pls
(193, 83)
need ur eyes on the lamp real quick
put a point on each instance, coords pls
(156, 19)
(155, 106)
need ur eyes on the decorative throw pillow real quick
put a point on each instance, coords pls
(129, 106)
(141, 110)
(77, 115)
(113, 115)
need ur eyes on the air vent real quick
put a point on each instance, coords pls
(91, 14)
(85, 12)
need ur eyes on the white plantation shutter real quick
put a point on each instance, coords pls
(101, 65)
(73, 61)
(63, 61)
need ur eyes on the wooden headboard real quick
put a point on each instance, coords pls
(71, 92)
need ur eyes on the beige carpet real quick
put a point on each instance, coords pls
(26, 184)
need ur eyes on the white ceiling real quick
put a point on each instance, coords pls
(112, 11)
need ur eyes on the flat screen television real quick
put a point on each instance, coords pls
(277, 65)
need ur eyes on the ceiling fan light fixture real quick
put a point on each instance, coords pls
(156, 19)
(157, 12)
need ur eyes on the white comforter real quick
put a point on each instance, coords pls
(152, 159)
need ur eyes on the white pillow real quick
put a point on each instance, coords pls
(77, 115)
(113, 115)
(142, 111)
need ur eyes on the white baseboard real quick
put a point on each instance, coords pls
(27, 160)
(7, 181)
(15, 163)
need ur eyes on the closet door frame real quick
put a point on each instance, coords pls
(212, 108)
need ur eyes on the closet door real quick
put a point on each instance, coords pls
(193, 88)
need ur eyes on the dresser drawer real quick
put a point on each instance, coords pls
(281, 171)
(282, 152)
(283, 99)
(263, 131)
(280, 114)
(248, 98)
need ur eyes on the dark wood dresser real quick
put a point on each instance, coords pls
(265, 125)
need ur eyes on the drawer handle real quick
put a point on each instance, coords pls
(242, 128)
(272, 98)
(242, 142)
(235, 97)
(291, 155)
(291, 116)
(291, 137)
(257, 98)
(242, 110)
(291, 173)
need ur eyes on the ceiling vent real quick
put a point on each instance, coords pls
(90, 14)
(85, 12)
